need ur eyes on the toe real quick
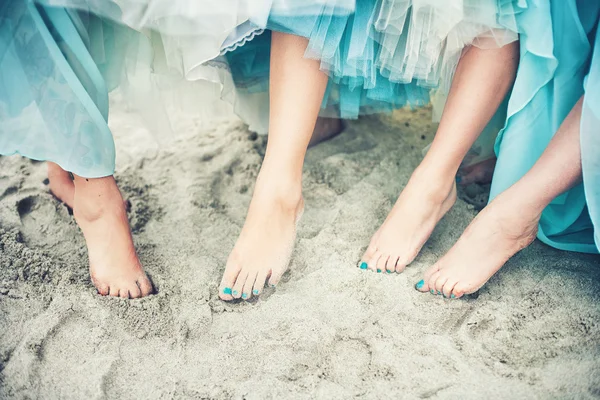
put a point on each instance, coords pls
(102, 288)
(390, 266)
(135, 292)
(400, 265)
(124, 293)
(372, 263)
(247, 289)
(259, 283)
(438, 286)
(238, 286)
(371, 250)
(431, 282)
(448, 288)
(275, 277)
(381, 263)
(113, 291)
(145, 286)
(232, 271)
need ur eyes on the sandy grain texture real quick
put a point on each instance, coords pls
(329, 330)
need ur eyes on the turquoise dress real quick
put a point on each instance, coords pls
(560, 62)
(53, 96)
(384, 54)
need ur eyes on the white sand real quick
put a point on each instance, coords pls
(329, 330)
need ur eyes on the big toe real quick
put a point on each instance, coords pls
(232, 270)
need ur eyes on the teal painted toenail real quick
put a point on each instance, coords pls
(389, 272)
(363, 265)
(439, 293)
(235, 292)
(244, 296)
(432, 291)
(227, 290)
(378, 271)
(420, 284)
(452, 296)
(255, 291)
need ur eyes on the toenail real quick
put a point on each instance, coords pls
(419, 284)
(244, 296)
(389, 272)
(235, 292)
(378, 271)
(255, 292)
(227, 290)
(363, 265)
(439, 293)
(452, 296)
(432, 291)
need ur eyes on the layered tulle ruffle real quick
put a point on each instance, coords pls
(387, 53)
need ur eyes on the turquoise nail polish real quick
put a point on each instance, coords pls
(378, 271)
(227, 290)
(363, 265)
(432, 291)
(255, 292)
(439, 293)
(420, 284)
(244, 296)
(235, 292)
(452, 296)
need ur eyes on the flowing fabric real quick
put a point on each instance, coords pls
(387, 53)
(53, 97)
(559, 48)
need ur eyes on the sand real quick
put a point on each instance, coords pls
(329, 330)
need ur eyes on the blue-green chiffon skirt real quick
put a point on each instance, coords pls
(560, 62)
(53, 95)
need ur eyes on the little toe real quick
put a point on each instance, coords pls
(274, 277)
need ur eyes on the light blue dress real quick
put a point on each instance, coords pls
(385, 54)
(53, 97)
(560, 62)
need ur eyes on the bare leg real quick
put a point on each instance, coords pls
(61, 184)
(267, 239)
(100, 212)
(481, 82)
(510, 222)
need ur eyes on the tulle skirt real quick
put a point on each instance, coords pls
(387, 53)
(560, 62)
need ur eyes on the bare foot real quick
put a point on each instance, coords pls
(423, 202)
(263, 250)
(61, 184)
(325, 129)
(114, 265)
(502, 229)
(480, 173)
